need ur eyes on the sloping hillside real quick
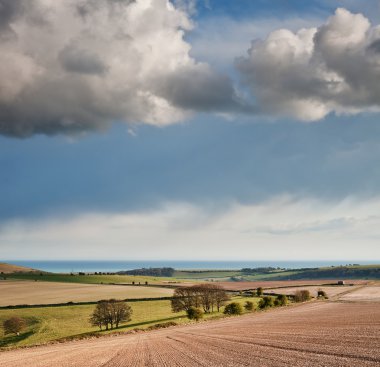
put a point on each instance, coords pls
(10, 268)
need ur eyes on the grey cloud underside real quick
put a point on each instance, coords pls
(75, 66)
(81, 61)
(8, 11)
(208, 162)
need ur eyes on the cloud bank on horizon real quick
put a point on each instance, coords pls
(76, 66)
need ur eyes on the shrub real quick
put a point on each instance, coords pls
(13, 325)
(163, 325)
(259, 291)
(249, 306)
(322, 294)
(266, 302)
(194, 313)
(281, 300)
(302, 296)
(233, 308)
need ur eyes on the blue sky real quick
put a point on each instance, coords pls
(218, 160)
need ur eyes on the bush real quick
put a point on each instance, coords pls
(194, 313)
(259, 291)
(266, 302)
(281, 300)
(233, 308)
(249, 306)
(13, 325)
(302, 296)
(163, 325)
(322, 294)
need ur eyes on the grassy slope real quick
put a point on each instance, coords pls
(343, 272)
(51, 323)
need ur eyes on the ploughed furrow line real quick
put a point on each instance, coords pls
(132, 354)
(226, 355)
(59, 356)
(162, 354)
(328, 343)
(295, 347)
(193, 355)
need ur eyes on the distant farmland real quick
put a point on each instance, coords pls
(30, 292)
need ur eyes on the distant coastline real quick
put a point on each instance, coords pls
(67, 266)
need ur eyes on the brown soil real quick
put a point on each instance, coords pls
(31, 293)
(238, 286)
(319, 333)
(10, 268)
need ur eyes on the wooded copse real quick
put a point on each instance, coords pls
(154, 272)
(110, 313)
(207, 296)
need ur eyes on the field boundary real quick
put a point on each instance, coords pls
(12, 307)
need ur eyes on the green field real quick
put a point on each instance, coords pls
(51, 323)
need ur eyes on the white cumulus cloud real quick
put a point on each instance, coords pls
(309, 73)
(76, 65)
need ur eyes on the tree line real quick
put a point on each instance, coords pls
(155, 272)
(207, 296)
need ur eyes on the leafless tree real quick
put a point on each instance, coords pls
(205, 295)
(110, 313)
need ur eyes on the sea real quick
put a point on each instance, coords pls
(90, 266)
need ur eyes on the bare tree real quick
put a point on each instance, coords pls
(110, 313)
(205, 295)
(184, 298)
(120, 311)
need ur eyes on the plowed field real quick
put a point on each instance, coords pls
(28, 292)
(330, 291)
(313, 334)
(239, 286)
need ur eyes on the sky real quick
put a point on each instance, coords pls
(190, 130)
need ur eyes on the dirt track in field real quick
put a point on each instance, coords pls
(314, 334)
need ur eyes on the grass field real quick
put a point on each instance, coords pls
(20, 292)
(52, 323)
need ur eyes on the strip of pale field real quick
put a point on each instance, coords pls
(29, 292)
(330, 291)
(314, 334)
(238, 286)
(366, 294)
